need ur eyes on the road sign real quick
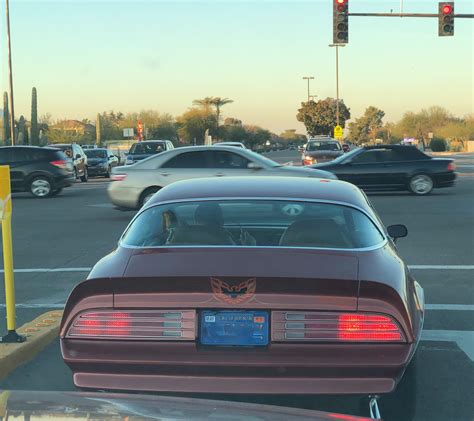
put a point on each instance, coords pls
(430, 135)
(338, 132)
(127, 132)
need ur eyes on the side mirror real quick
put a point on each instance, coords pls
(78, 156)
(397, 231)
(253, 166)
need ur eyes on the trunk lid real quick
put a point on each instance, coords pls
(243, 278)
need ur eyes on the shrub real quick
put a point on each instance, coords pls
(438, 145)
(456, 145)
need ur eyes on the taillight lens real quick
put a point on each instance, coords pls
(118, 177)
(308, 160)
(334, 327)
(171, 325)
(59, 163)
(451, 166)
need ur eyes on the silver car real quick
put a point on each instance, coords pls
(132, 186)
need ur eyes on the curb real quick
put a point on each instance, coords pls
(39, 333)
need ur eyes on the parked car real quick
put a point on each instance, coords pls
(392, 167)
(255, 285)
(133, 185)
(77, 157)
(236, 144)
(43, 172)
(100, 162)
(321, 150)
(147, 148)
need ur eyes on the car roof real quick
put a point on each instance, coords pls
(154, 141)
(28, 147)
(299, 188)
(383, 146)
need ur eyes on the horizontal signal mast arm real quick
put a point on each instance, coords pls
(410, 15)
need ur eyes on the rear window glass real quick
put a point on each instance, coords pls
(95, 153)
(147, 148)
(323, 146)
(253, 223)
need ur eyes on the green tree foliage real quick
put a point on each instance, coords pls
(6, 120)
(111, 125)
(438, 145)
(64, 136)
(320, 117)
(193, 124)
(34, 118)
(157, 125)
(290, 136)
(216, 102)
(367, 126)
(255, 135)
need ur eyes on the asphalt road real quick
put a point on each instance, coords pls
(75, 229)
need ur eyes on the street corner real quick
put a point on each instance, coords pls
(39, 333)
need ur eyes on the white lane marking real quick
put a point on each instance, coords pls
(463, 338)
(442, 267)
(450, 307)
(48, 270)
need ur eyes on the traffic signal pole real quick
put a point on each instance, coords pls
(410, 15)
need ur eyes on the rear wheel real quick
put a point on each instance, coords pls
(85, 177)
(421, 184)
(40, 187)
(147, 195)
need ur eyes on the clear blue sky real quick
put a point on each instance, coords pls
(87, 56)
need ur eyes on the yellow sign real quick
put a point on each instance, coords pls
(338, 132)
(5, 192)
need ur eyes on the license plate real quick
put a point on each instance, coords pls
(244, 328)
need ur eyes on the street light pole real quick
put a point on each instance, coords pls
(308, 78)
(12, 109)
(337, 79)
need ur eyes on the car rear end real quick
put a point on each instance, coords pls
(283, 318)
(444, 174)
(59, 167)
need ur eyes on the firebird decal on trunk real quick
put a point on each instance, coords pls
(234, 294)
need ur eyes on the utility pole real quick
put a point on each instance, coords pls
(12, 109)
(308, 78)
(337, 78)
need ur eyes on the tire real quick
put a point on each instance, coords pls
(421, 184)
(85, 177)
(41, 187)
(56, 191)
(146, 195)
(107, 174)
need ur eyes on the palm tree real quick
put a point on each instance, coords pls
(217, 102)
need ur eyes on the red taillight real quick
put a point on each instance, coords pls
(307, 160)
(334, 327)
(135, 324)
(60, 164)
(451, 166)
(118, 177)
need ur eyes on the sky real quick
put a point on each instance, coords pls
(87, 56)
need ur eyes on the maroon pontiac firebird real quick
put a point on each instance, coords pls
(248, 285)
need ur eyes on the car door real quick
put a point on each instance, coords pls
(225, 163)
(187, 165)
(393, 168)
(362, 170)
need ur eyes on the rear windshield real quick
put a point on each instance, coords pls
(323, 146)
(95, 153)
(253, 223)
(147, 148)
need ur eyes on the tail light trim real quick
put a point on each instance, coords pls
(118, 177)
(60, 163)
(135, 325)
(451, 166)
(300, 326)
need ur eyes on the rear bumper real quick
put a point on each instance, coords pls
(278, 369)
(445, 180)
(123, 196)
(98, 170)
(64, 181)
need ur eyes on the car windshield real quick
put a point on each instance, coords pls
(253, 223)
(96, 153)
(148, 148)
(323, 146)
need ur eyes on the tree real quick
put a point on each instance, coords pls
(46, 119)
(64, 136)
(34, 118)
(98, 131)
(367, 125)
(193, 124)
(218, 103)
(6, 120)
(110, 125)
(290, 135)
(22, 137)
(320, 117)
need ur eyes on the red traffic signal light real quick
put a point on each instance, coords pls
(447, 9)
(340, 21)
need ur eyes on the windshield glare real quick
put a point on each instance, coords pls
(147, 148)
(94, 153)
(323, 146)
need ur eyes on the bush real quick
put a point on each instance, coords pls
(438, 145)
(456, 145)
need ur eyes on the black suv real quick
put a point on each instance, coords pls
(41, 171)
(77, 157)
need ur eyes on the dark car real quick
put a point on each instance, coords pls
(77, 157)
(100, 161)
(392, 167)
(43, 172)
(147, 148)
(273, 285)
(321, 150)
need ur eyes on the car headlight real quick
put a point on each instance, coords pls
(128, 161)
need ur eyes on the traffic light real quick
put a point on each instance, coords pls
(446, 19)
(340, 21)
